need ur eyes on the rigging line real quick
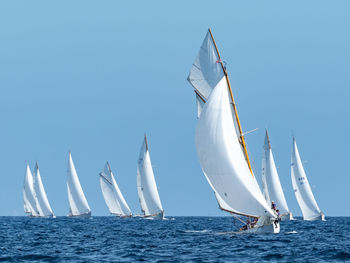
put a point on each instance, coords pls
(239, 219)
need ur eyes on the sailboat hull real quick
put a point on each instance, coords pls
(159, 216)
(121, 216)
(320, 217)
(265, 229)
(86, 215)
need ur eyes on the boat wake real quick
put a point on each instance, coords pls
(197, 231)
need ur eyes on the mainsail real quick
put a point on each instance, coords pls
(45, 208)
(29, 197)
(146, 185)
(206, 72)
(302, 189)
(77, 201)
(272, 186)
(222, 159)
(112, 195)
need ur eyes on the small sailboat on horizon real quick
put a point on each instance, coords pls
(30, 202)
(111, 193)
(272, 187)
(78, 205)
(221, 146)
(43, 202)
(150, 203)
(36, 203)
(302, 189)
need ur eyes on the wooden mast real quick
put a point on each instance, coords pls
(242, 140)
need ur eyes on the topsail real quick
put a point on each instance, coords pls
(302, 189)
(206, 71)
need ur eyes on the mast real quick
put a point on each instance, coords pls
(241, 136)
(146, 142)
(268, 139)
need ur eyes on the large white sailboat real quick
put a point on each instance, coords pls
(42, 201)
(302, 189)
(112, 194)
(29, 197)
(78, 205)
(220, 143)
(271, 183)
(146, 185)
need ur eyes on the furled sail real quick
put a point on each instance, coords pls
(222, 159)
(302, 189)
(29, 198)
(77, 201)
(111, 193)
(45, 208)
(146, 184)
(272, 186)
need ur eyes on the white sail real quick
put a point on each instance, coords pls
(222, 159)
(77, 201)
(302, 189)
(45, 208)
(272, 186)
(29, 198)
(206, 70)
(111, 193)
(200, 104)
(146, 185)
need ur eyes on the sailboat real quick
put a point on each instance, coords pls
(302, 189)
(78, 205)
(221, 146)
(112, 195)
(271, 183)
(29, 197)
(42, 201)
(146, 185)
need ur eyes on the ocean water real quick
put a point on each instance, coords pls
(179, 239)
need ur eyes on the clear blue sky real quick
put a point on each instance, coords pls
(93, 76)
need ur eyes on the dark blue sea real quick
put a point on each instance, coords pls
(179, 239)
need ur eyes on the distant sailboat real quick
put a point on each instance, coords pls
(302, 189)
(220, 143)
(78, 205)
(112, 195)
(146, 185)
(272, 186)
(29, 197)
(42, 201)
